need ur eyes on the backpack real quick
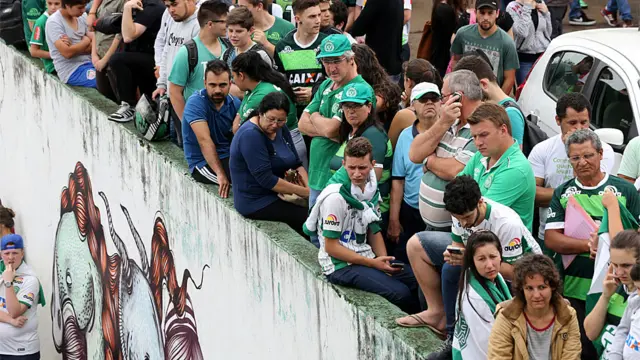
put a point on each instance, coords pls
(532, 132)
(192, 53)
(11, 26)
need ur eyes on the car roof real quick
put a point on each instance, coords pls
(622, 40)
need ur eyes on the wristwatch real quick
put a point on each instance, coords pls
(8, 284)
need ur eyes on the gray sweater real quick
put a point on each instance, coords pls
(618, 345)
(528, 39)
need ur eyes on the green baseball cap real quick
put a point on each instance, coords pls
(356, 93)
(334, 46)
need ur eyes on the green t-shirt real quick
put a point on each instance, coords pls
(325, 102)
(278, 30)
(299, 64)
(578, 275)
(382, 154)
(31, 11)
(252, 99)
(510, 181)
(179, 74)
(499, 47)
(615, 310)
(39, 38)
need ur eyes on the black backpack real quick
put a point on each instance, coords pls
(532, 132)
(192, 52)
(11, 27)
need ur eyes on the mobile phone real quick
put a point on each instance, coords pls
(397, 264)
(457, 96)
(454, 250)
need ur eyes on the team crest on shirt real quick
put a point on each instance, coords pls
(287, 49)
(335, 108)
(611, 188)
(488, 181)
(571, 190)
(551, 213)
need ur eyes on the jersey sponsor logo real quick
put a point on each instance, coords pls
(36, 33)
(348, 236)
(304, 78)
(287, 49)
(18, 280)
(29, 297)
(274, 36)
(332, 220)
(462, 332)
(606, 338)
(551, 213)
(513, 247)
(571, 190)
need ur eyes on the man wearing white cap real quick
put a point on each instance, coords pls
(20, 294)
(404, 218)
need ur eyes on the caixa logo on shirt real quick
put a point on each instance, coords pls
(514, 247)
(332, 220)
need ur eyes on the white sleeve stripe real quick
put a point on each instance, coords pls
(554, 226)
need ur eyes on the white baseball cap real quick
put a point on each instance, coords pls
(423, 88)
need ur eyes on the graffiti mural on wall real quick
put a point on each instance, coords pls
(107, 306)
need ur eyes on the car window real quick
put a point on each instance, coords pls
(567, 72)
(611, 104)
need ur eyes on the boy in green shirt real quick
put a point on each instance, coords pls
(269, 30)
(31, 11)
(322, 117)
(38, 43)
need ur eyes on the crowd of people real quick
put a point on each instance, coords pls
(413, 178)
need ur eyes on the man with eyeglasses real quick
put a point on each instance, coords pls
(322, 117)
(549, 160)
(585, 152)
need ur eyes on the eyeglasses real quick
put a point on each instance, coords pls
(586, 157)
(271, 120)
(429, 98)
(333, 60)
(351, 106)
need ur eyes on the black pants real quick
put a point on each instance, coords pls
(206, 174)
(35, 356)
(104, 85)
(588, 350)
(557, 15)
(129, 71)
(283, 211)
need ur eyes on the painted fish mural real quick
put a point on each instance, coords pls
(107, 306)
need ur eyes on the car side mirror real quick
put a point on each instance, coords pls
(610, 136)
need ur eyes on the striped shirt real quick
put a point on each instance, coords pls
(454, 144)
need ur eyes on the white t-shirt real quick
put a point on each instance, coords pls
(25, 340)
(471, 338)
(550, 162)
(515, 238)
(407, 26)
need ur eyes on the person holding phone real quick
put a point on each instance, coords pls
(471, 213)
(618, 288)
(346, 218)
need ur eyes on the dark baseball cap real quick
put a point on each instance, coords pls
(493, 4)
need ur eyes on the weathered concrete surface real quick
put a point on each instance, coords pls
(262, 295)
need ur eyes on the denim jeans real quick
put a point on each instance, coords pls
(435, 243)
(400, 289)
(523, 71)
(557, 16)
(313, 196)
(575, 10)
(622, 7)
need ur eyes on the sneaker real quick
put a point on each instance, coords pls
(582, 20)
(627, 23)
(124, 114)
(609, 17)
(583, 4)
(444, 352)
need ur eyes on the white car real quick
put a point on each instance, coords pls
(604, 65)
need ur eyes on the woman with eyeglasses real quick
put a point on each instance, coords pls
(359, 119)
(262, 156)
(257, 79)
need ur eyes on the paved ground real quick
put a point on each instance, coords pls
(422, 12)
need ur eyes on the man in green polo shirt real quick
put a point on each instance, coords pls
(322, 117)
(499, 167)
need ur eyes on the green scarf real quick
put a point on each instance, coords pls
(342, 177)
(41, 299)
(499, 290)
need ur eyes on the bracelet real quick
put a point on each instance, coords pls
(92, 12)
(426, 160)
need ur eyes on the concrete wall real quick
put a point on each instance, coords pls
(166, 269)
